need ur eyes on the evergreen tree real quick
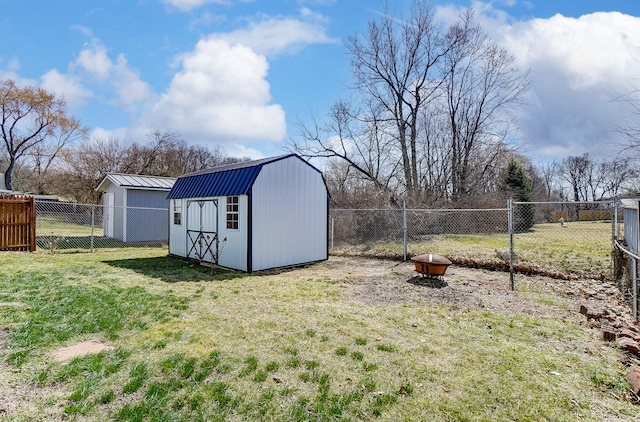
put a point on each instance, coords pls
(516, 183)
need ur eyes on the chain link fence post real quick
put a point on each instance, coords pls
(93, 224)
(333, 229)
(404, 230)
(614, 227)
(614, 236)
(511, 251)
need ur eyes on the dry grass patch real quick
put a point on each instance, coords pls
(546, 245)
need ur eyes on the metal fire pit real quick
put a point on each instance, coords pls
(431, 265)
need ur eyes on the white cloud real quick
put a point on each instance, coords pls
(87, 32)
(221, 96)
(206, 19)
(220, 93)
(93, 64)
(106, 134)
(10, 71)
(13, 65)
(94, 59)
(129, 86)
(492, 19)
(63, 85)
(281, 35)
(187, 5)
(591, 50)
(577, 67)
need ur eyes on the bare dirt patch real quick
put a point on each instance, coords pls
(380, 282)
(65, 354)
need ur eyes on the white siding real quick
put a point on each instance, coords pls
(177, 233)
(118, 215)
(289, 215)
(233, 251)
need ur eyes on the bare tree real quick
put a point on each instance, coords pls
(395, 73)
(395, 65)
(482, 83)
(428, 113)
(84, 167)
(43, 155)
(618, 177)
(359, 142)
(547, 176)
(33, 121)
(630, 126)
(166, 154)
(575, 171)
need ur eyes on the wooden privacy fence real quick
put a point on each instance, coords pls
(17, 223)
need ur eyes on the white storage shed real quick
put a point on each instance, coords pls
(135, 207)
(251, 216)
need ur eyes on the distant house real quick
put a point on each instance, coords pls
(251, 216)
(135, 208)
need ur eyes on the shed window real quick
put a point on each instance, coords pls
(232, 212)
(177, 212)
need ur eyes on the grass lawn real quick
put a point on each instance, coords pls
(55, 234)
(577, 247)
(58, 227)
(193, 344)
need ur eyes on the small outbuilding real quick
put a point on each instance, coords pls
(135, 207)
(252, 215)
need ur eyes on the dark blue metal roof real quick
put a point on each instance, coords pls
(228, 180)
(227, 183)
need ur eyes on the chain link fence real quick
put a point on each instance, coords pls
(626, 253)
(66, 226)
(542, 237)
(560, 236)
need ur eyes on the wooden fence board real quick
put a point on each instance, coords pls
(17, 223)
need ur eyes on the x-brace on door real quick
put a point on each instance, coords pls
(202, 230)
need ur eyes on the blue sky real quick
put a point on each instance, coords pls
(239, 73)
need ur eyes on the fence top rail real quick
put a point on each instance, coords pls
(607, 202)
(422, 209)
(626, 250)
(135, 208)
(16, 198)
(81, 205)
(457, 209)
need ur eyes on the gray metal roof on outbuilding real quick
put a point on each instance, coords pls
(134, 181)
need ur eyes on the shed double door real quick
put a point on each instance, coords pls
(202, 230)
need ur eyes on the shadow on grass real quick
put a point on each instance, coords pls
(435, 283)
(175, 270)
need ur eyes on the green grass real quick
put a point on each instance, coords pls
(545, 245)
(56, 226)
(279, 346)
(56, 235)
